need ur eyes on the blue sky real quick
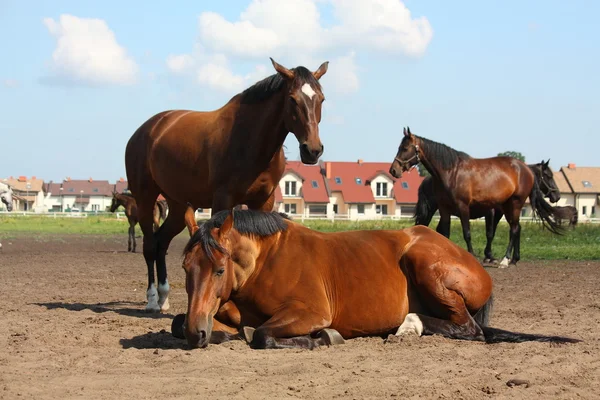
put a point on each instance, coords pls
(77, 78)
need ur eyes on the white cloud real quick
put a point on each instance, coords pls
(10, 83)
(291, 31)
(87, 51)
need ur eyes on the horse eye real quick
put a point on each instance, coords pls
(220, 272)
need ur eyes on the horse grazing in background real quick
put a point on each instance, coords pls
(131, 212)
(465, 185)
(427, 204)
(218, 159)
(6, 194)
(296, 287)
(566, 212)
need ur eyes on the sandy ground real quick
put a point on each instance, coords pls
(72, 326)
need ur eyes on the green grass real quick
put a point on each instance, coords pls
(583, 243)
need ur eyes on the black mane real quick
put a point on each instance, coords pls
(246, 222)
(444, 155)
(264, 89)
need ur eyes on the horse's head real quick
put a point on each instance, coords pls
(209, 278)
(407, 155)
(302, 109)
(547, 183)
(6, 198)
(115, 203)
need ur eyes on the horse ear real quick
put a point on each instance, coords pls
(227, 225)
(321, 70)
(405, 133)
(190, 220)
(283, 71)
(409, 132)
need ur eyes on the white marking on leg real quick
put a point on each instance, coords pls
(308, 90)
(412, 324)
(504, 263)
(152, 296)
(163, 296)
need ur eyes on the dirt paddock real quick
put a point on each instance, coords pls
(72, 325)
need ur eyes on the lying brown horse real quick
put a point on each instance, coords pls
(131, 212)
(218, 159)
(296, 287)
(427, 204)
(566, 212)
(466, 185)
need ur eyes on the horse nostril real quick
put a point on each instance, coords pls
(202, 334)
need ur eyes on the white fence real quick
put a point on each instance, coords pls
(205, 215)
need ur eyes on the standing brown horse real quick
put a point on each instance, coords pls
(427, 204)
(296, 287)
(130, 207)
(466, 185)
(566, 212)
(218, 159)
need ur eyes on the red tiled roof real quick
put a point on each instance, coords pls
(93, 188)
(309, 174)
(120, 186)
(278, 195)
(354, 192)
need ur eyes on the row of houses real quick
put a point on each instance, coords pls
(33, 194)
(352, 190)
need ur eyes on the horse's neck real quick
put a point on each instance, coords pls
(259, 130)
(432, 165)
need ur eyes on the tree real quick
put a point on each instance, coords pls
(514, 154)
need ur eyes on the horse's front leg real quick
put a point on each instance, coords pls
(294, 327)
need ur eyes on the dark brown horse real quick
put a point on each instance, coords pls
(465, 185)
(427, 204)
(130, 208)
(566, 212)
(296, 287)
(219, 159)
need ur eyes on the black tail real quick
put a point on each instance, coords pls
(426, 203)
(162, 207)
(484, 315)
(495, 335)
(543, 209)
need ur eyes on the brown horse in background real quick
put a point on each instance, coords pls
(218, 159)
(566, 212)
(130, 209)
(296, 287)
(427, 204)
(466, 185)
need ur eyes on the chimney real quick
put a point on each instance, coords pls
(360, 161)
(328, 169)
(33, 178)
(22, 178)
(571, 165)
(121, 179)
(90, 180)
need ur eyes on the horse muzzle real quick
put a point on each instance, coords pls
(309, 155)
(198, 334)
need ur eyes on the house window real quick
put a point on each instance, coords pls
(338, 180)
(290, 188)
(96, 190)
(317, 209)
(335, 208)
(381, 189)
(584, 210)
(381, 209)
(358, 181)
(361, 208)
(290, 208)
(71, 190)
(95, 207)
(404, 185)
(593, 210)
(315, 184)
(524, 212)
(586, 184)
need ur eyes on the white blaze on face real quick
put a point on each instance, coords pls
(308, 90)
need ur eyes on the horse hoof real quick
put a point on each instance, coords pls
(249, 333)
(331, 337)
(153, 308)
(177, 326)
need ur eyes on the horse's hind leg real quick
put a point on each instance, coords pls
(492, 219)
(145, 218)
(173, 225)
